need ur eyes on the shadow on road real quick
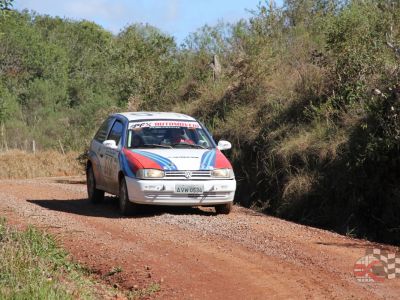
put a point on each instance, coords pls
(109, 208)
(341, 244)
(362, 244)
(71, 181)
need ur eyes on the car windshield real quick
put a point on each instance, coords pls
(167, 134)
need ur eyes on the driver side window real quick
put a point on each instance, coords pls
(116, 132)
(103, 130)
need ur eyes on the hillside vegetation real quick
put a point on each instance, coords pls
(308, 94)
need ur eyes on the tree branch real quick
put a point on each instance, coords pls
(391, 44)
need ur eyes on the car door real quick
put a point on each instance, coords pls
(97, 151)
(110, 158)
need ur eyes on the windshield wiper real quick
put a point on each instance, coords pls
(191, 145)
(155, 145)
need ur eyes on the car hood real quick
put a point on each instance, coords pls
(177, 159)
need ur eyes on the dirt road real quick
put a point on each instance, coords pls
(191, 252)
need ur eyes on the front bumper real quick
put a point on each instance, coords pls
(162, 192)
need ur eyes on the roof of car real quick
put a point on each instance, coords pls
(147, 115)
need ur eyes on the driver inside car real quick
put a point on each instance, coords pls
(137, 141)
(177, 137)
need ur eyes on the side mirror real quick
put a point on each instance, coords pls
(224, 145)
(110, 144)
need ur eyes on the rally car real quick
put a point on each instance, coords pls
(161, 159)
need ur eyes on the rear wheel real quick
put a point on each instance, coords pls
(126, 207)
(95, 195)
(223, 209)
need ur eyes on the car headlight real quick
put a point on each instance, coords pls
(149, 173)
(222, 173)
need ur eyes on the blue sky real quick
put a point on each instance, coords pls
(175, 17)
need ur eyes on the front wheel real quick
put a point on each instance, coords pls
(126, 207)
(94, 195)
(223, 208)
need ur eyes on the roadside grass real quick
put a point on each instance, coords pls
(144, 293)
(34, 267)
(17, 164)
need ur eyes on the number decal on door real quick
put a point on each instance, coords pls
(108, 165)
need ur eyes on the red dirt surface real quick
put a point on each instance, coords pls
(193, 253)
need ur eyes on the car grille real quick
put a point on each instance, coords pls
(206, 195)
(194, 175)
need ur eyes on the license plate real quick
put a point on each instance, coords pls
(188, 189)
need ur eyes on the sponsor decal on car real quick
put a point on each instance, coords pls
(169, 124)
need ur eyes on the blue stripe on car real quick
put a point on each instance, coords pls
(156, 157)
(165, 163)
(125, 166)
(211, 161)
(208, 160)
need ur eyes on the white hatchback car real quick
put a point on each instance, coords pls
(161, 159)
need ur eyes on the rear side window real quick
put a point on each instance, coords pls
(101, 134)
(116, 132)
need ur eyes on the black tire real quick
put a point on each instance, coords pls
(94, 195)
(223, 209)
(126, 207)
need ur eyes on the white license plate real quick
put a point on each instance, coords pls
(189, 189)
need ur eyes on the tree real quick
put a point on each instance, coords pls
(5, 5)
(146, 65)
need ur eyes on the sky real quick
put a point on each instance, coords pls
(175, 17)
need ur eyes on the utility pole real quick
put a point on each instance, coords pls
(216, 67)
(3, 137)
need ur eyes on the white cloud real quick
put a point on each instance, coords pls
(172, 12)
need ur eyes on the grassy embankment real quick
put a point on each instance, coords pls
(33, 267)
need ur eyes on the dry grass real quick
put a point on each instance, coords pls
(16, 164)
(211, 99)
(317, 141)
(298, 186)
(240, 123)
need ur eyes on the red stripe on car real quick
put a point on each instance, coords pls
(139, 161)
(221, 162)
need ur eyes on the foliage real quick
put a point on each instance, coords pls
(5, 4)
